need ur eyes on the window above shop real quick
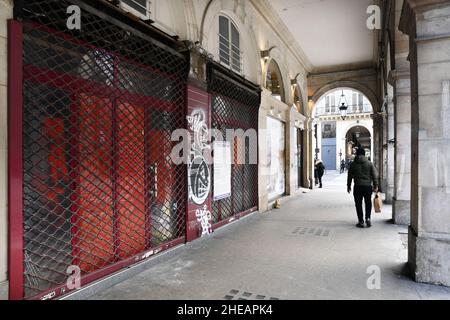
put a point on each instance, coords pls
(140, 8)
(230, 53)
(274, 81)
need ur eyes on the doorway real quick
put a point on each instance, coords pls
(299, 157)
(276, 158)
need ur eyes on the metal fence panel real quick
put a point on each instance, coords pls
(100, 104)
(235, 105)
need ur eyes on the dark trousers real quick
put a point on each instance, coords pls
(320, 181)
(360, 193)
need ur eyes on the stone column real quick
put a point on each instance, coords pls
(384, 176)
(290, 147)
(389, 146)
(400, 78)
(378, 144)
(263, 197)
(428, 24)
(308, 163)
(401, 209)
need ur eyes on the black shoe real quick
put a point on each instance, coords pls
(368, 223)
(360, 225)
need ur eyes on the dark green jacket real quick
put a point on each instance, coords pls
(363, 172)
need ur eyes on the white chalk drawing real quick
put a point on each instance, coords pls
(204, 217)
(198, 171)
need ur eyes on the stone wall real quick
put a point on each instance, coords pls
(427, 23)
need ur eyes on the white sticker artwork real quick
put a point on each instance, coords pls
(204, 217)
(198, 172)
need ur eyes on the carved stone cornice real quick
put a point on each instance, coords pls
(419, 6)
(377, 116)
(411, 9)
(395, 75)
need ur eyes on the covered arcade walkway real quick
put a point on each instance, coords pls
(111, 114)
(309, 249)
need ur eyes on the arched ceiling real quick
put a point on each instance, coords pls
(332, 33)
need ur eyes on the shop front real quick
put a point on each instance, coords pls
(234, 116)
(93, 110)
(276, 158)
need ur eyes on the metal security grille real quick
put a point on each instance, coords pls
(100, 104)
(235, 106)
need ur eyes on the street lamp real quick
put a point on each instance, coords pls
(343, 106)
(315, 122)
(265, 54)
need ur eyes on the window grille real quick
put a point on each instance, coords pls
(100, 104)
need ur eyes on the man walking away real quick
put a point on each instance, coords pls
(316, 177)
(342, 166)
(364, 174)
(320, 171)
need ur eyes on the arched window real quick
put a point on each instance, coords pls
(274, 82)
(138, 7)
(229, 44)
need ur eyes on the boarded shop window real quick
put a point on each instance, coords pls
(276, 158)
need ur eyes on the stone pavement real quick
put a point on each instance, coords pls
(308, 249)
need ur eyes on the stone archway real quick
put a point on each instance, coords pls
(346, 84)
(358, 136)
(331, 137)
